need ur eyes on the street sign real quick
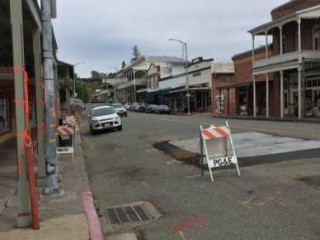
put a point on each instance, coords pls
(215, 144)
(188, 95)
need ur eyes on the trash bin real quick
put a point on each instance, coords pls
(65, 140)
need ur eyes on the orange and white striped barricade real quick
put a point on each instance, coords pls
(65, 140)
(217, 144)
(69, 120)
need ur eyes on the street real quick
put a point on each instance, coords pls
(268, 201)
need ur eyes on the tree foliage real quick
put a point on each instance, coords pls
(123, 64)
(98, 75)
(135, 53)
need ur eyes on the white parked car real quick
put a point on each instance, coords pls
(104, 117)
(120, 109)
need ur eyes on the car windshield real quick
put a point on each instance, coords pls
(117, 106)
(103, 111)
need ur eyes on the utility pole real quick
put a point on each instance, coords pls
(49, 95)
(185, 50)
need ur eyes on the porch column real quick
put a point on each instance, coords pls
(267, 95)
(281, 94)
(134, 87)
(299, 35)
(132, 94)
(253, 50)
(267, 48)
(24, 219)
(220, 99)
(229, 102)
(299, 94)
(41, 181)
(281, 40)
(254, 96)
(254, 80)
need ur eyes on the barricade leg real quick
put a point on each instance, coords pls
(233, 151)
(238, 169)
(211, 175)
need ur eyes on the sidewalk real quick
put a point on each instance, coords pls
(62, 216)
(8, 171)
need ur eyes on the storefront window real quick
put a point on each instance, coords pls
(5, 125)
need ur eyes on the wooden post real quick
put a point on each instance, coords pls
(24, 219)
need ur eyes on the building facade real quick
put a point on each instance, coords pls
(22, 92)
(142, 76)
(172, 90)
(291, 73)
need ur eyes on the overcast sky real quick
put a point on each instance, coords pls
(103, 32)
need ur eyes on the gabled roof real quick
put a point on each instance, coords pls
(165, 59)
(147, 61)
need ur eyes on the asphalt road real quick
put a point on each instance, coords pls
(272, 201)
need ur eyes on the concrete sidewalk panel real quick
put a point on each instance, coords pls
(71, 227)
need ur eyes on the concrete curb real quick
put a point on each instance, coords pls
(92, 217)
(87, 200)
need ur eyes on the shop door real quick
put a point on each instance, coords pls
(286, 100)
(294, 103)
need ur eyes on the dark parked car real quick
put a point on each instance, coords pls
(163, 109)
(143, 107)
(151, 108)
(133, 106)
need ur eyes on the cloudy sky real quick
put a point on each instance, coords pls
(103, 32)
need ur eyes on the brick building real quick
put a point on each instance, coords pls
(282, 78)
(291, 72)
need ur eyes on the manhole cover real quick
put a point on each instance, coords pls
(127, 214)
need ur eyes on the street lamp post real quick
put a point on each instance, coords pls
(188, 95)
(74, 85)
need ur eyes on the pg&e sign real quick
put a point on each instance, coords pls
(222, 162)
(65, 150)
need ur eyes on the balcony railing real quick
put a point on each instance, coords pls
(286, 57)
(130, 83)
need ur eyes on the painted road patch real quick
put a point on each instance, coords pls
(252, 144)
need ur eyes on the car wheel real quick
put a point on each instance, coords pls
(119, 128)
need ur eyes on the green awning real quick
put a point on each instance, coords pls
(164, 92)
(151, 97)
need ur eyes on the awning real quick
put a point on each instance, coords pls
(191, 90)
(164, 92)
(151, 96)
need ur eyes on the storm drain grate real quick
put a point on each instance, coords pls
(121, 215)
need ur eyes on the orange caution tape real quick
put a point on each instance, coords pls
(18, 69)
(39, 84)
(19, 100)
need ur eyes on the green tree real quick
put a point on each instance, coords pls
(123, 64)
(136, 53)
(98, 75)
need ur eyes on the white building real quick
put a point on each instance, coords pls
(144, 74)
